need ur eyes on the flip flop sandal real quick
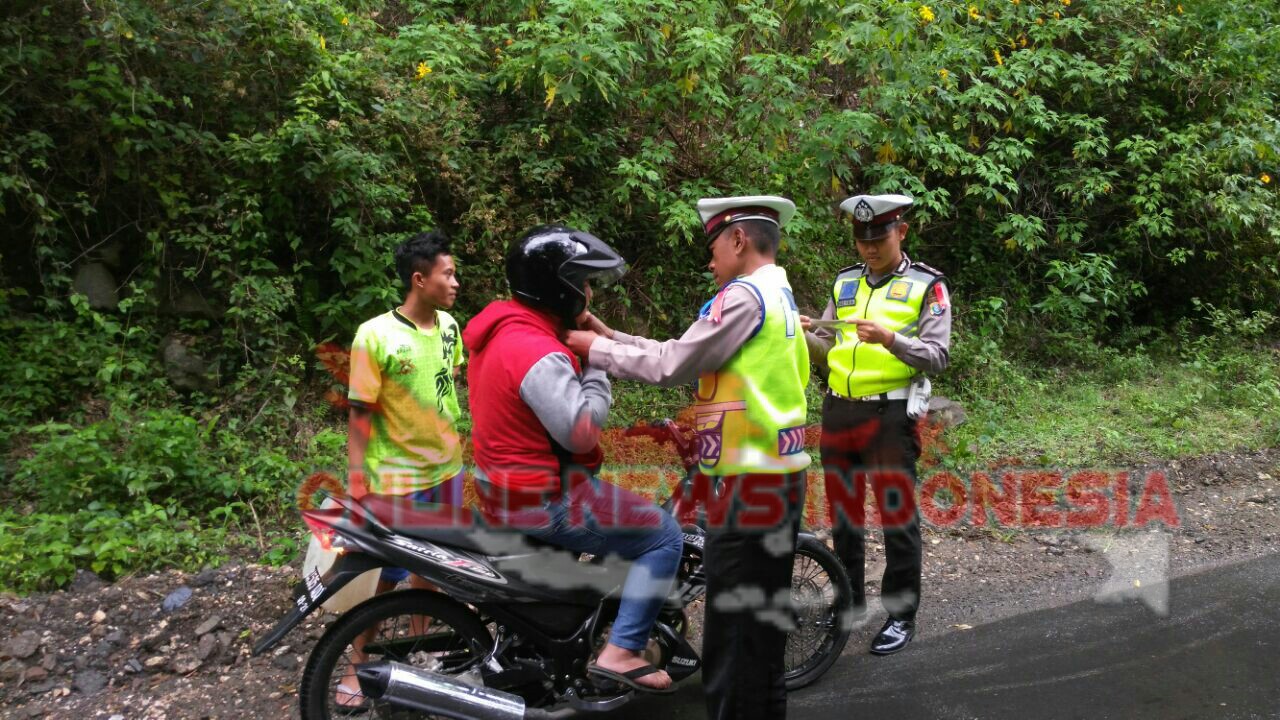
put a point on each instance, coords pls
(360, 706)
(628, 679)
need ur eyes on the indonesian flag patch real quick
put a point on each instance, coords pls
(717, 306)
(940, 300)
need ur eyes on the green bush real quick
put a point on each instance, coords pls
(51, 364)
(1231, 357)
(42, 551)
(158, 456)
(1081, 164)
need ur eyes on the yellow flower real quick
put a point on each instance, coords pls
(346, 21)
(1039, 21)
(1266, 179)
(423, 70)
(942, 73)
(973, 12)
(688, 82)
(323, 46)
(926, 13)
(1057, 15)
(1017, 2)
(586, 58)
(509, 42)
(1022, 41)
(1179, 8)
(1066, 2)
(996, 54)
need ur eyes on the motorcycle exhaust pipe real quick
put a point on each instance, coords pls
(437, 694)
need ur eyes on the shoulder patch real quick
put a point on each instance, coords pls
(714, 309)
(940, 300)
(853, 271)
(929, 269)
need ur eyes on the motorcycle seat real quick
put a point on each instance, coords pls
(455, 526)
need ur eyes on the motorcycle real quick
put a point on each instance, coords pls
(514, 622)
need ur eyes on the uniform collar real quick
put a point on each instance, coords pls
(395, 312)
(768, 267)
(903, 266)
(898, 271)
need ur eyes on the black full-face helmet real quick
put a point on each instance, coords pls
(550, 266)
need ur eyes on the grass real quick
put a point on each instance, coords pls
(1130, 409)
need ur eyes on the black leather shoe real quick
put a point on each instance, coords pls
(893, 636)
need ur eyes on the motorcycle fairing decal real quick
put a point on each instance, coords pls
(443, 557)
(315, 588)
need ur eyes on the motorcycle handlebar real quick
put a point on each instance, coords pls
(667, 430)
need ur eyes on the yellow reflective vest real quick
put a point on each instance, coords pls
(858, 369)
(750, 414)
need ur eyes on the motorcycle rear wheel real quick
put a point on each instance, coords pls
(414, 627)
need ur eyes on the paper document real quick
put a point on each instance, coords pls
(816, 323)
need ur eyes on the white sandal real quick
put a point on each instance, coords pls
(359, 705)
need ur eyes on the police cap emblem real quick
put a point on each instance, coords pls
(862, 212)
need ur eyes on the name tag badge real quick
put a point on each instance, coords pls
(900, 290)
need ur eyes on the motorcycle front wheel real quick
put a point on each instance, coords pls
(414, 627)
(821, 596)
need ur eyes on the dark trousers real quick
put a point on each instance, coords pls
(749, 605)
(876, 444)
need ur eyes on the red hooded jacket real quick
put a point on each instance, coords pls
(511, 446)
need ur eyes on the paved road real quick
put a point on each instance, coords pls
(1216, 655)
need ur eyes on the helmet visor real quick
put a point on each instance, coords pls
(596, 262)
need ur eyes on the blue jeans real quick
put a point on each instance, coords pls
(602, 519)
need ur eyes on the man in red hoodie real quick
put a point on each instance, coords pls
(536, 422)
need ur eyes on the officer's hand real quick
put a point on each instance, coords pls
(579, 341)
(805, 323)
(587, 321)
(870, 331)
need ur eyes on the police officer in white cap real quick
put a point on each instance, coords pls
(887, 323)
(749, 356)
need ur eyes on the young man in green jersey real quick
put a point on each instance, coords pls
(402, 436)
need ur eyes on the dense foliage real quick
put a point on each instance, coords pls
(1086, 171)
(1084, 162)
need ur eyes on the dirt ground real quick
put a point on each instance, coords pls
(100, 650)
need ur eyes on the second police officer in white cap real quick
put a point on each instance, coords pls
(896, 326)
(748, 354)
